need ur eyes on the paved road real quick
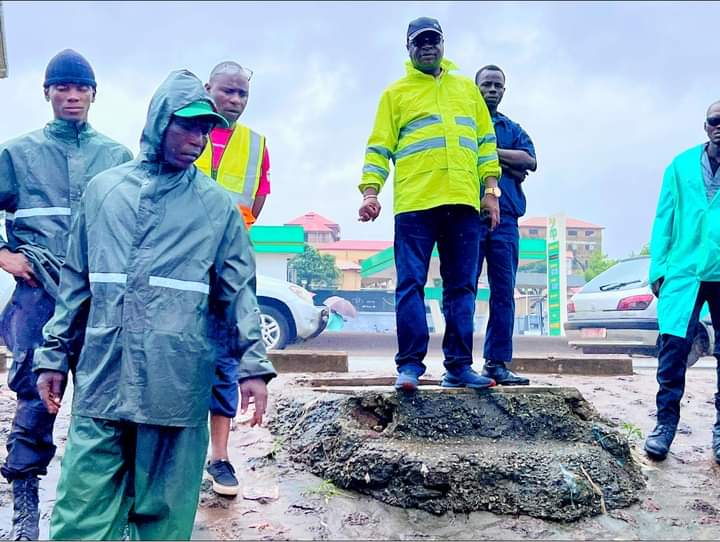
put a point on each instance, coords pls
(382, 344)
(375, 351)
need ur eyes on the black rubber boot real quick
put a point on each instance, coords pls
(502, 375)
(657, 445)
(26, 515)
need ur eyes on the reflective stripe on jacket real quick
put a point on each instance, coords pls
(43, 174)
(240, 165)
(155, 256)
(440, 137)
(685, 244)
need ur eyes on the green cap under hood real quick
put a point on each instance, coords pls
(180, 89)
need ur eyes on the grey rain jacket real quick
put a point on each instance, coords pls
(43, 174)
(154, 255)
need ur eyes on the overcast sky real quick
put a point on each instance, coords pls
(609, 92)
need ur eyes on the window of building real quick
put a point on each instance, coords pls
(589, 233)
(572, 233)
(533, 231)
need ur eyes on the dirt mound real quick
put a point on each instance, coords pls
(544, 452)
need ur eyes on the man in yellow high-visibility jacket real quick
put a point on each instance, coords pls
(237, 158)
(437, 130)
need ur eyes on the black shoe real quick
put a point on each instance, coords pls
(26, 515)
(502, 375)
(223, 476)
(716, 442)
(658, 442)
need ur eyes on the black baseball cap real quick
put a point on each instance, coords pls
(423, 24)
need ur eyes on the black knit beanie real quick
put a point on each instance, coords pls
(69, 66)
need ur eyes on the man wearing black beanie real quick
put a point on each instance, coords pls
(43, 175)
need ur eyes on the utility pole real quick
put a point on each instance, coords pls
(3, 49)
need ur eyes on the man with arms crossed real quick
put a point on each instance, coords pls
(499, 247)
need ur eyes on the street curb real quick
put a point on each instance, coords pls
(596, 365)
(308, 361)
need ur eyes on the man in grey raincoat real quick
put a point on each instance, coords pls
(157, 250)
(42, 176)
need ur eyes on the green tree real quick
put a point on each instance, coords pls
(315, 270)
(645, 250)
(597, 263)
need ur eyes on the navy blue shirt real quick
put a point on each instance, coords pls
(512, 137)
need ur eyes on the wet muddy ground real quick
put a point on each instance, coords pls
(279, 501)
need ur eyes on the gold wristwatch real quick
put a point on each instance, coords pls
(494, 191)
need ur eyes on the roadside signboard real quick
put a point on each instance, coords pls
(3, 49)
(557, 274)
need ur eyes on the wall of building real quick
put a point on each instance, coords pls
(272, 264)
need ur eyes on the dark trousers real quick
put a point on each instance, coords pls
(455, 229)
(500, 249)
(30, 443)
(672, 360)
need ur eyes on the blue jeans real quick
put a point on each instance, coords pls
(455, 229)
(30, 442)
(672, 360)
(500, 249)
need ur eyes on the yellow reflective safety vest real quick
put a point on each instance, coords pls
(239, 168)
(439, 135)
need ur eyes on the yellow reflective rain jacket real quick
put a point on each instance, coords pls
(440, 137)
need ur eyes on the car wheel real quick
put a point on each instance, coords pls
(700, 346)
(274, 327)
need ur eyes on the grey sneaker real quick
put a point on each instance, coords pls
(225, 482)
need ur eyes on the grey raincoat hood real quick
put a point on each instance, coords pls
(181, 88)
(156, 257)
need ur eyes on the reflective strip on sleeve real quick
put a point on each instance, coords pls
(487, 158)
(38, 211)
(187, 285)
(115, 278)
(419, 123)
(490, 138)
(468, 143)
(382, 151)
(371, 168)
(424, 145)
(466, 121)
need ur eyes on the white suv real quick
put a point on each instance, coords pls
(287, 312)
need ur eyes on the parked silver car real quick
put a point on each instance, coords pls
(616, 312)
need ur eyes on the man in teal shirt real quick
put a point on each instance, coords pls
(685, 274)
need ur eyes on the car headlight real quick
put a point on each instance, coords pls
(302, 293)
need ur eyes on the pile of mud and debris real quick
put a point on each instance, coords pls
(540, 451)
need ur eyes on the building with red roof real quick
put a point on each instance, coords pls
(583, 238)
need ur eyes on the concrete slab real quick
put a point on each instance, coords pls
(309, 361)
(541, 451)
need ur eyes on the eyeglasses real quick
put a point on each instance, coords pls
(429, 38)
(713, 121)
(247, 71)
